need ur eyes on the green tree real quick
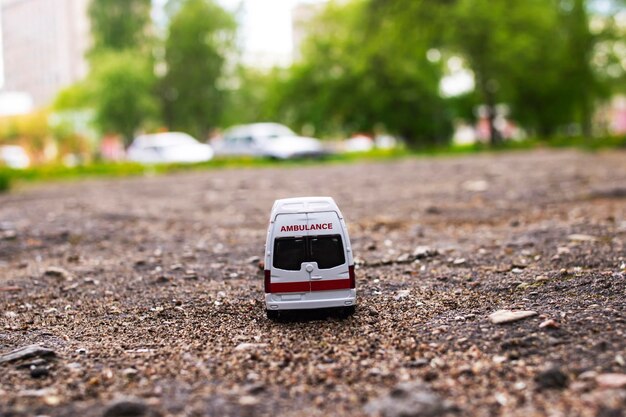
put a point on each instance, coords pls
(119, 24)
(253, 97)
(122, 93)
(609, 57)
(75, 97)
(483, 33)
(584, 86)
(120, 88)
(535, 55)
(200, 41)
(359, 73)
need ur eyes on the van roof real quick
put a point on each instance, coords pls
(304, 204)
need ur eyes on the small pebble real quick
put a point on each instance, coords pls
(550, 324)
(612, 380)
(508, 316)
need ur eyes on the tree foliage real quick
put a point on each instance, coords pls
(74, 97)
(119, 24)
(200, 39)
(122, 91)
(609, 58)
(253, 98)
(358, 73)
(533, 55)
(121, 83)
(515, 54)
(366, 66)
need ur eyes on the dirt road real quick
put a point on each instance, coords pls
(149, 294)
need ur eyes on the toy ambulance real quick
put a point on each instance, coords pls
(308, 258)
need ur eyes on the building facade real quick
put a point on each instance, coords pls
(43, 46)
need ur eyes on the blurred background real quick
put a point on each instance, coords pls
(91, 81)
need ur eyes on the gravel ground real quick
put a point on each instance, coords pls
(147, 293)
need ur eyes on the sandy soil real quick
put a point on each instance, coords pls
(148, 291)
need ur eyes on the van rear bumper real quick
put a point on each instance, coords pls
(310, 300)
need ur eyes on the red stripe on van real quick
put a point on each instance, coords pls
(306, 286)
(301, 286)
(335, 284)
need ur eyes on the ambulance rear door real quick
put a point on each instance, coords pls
(328, 257)
(288, 254)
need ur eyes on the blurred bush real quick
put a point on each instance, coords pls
(5, 180)
(589, 143)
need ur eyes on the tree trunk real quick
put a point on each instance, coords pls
(585, 116)
(488, 93)
(494, 136)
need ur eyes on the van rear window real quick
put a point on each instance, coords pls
(291, 252)
(327, 251)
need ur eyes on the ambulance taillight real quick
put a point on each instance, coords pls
(352, 276)
(268, 279)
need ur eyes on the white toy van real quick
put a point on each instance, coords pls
(308, 258)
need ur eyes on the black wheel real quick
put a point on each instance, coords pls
(272, 314)
(346, 312)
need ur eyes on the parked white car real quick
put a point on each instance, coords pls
(271, 140)
(14, 156)
(168, 147)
